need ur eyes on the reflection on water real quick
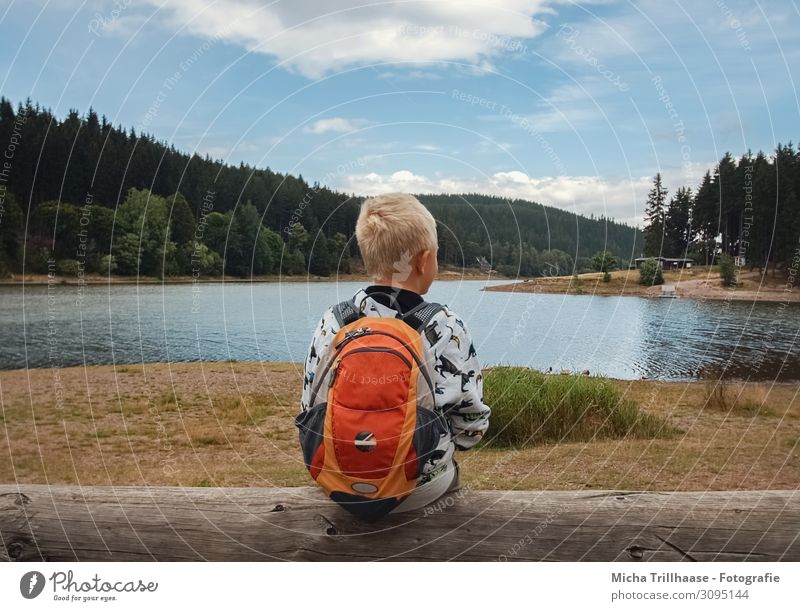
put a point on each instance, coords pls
(622, 337)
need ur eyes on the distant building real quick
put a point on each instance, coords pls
(666, 263)
(484, 264)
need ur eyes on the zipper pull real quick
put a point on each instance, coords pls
(357, 332)
(350, 335)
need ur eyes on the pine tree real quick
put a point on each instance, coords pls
(704, 219)
(655, 219)
(181, 221)
(731, 197)
(678, 222)
(761, 219)
(786, 239)
(11, 228)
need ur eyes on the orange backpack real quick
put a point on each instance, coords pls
(372, 425)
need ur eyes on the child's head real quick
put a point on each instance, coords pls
(397, 238)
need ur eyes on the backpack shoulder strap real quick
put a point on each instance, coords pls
(419, 316)
(345, 312)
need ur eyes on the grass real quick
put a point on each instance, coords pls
(223, 424)
(733, 398)
(529, 408)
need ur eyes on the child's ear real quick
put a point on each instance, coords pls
(421, 261)
(432, 254)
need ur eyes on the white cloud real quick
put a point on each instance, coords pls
(335, 124)
(619, 199)
(317, 37)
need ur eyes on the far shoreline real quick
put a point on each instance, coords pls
(445, 274)
(700, 284)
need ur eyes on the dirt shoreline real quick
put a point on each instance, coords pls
(94, 279)
(700, 285)
(232, 424)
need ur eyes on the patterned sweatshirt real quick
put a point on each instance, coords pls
(456, 375)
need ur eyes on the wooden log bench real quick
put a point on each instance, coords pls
(67, 523)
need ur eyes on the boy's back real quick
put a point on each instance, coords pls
(399, 397)
(452, 363)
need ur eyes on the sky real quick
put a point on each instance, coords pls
(571, 104)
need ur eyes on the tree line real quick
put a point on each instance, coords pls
(746, 207)
(88, 197)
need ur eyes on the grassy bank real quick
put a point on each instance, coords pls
(623, 282)
(231, 424)
(531, 408)
(701, 282)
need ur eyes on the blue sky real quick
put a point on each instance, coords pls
(575, 105)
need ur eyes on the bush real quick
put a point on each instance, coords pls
(294, 263)
(201, 260)
(727, 270)
(68, 267)
(650, 273)
(529, 407)
(38, 260)
(108, 265)
(604, 261)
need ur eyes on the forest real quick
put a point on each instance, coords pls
(79, 195)
(746, 207)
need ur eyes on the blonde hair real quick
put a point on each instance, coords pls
(392, 228)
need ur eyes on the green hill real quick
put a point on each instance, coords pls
(96, 198)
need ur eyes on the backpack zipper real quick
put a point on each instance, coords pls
(348, 337)
(376, 349)
(366, 349)
(366, 330)
(360, 332)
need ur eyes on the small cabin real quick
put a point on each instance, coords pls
(666, 263)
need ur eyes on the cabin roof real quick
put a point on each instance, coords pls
(663, 259)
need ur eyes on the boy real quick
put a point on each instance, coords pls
(397, 238)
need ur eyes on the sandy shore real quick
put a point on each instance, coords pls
(701, 283)
(232, 424)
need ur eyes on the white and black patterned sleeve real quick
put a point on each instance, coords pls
(459, 383)
(317, 352)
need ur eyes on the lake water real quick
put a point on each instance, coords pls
(622, 337)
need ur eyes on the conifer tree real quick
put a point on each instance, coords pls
(655, 219)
